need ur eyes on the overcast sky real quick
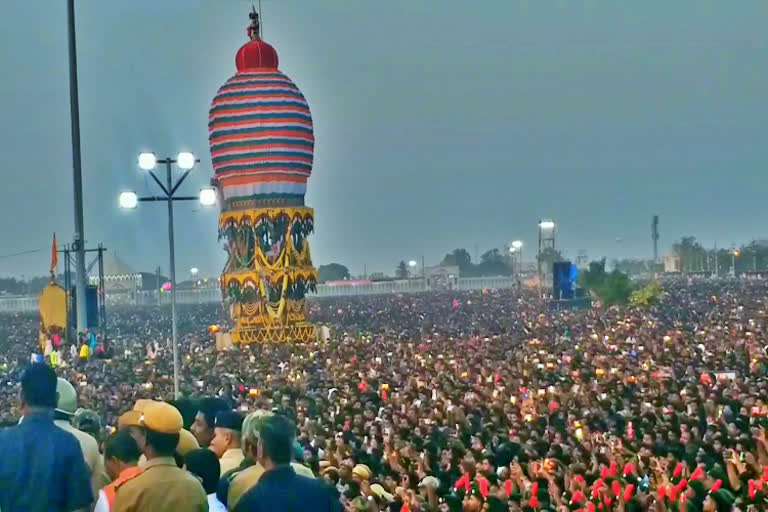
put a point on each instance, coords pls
(439, 124)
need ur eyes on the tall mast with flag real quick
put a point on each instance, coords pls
(54, 258)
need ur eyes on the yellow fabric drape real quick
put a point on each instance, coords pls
(53, 311)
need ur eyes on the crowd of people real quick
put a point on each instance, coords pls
(472, 401)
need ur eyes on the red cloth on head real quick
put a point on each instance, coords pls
(463, 482)
(596, 487)
(484, 486)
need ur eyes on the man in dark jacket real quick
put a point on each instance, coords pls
(280, 488)
(42, 466)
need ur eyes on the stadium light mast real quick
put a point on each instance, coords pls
(546, 241)
(129, 200)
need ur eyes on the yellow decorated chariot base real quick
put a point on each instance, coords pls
(268, 273)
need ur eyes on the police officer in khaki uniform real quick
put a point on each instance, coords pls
(162, 485)
(66, 404)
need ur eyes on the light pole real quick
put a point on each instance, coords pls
(734, 254)
(413, 264)
(129, 200)
(517, 253)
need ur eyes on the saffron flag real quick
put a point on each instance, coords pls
(54, 256)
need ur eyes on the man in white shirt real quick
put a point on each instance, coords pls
(226, 440)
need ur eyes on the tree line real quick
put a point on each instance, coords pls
(745, 258)
(495, 262)
(33, 286)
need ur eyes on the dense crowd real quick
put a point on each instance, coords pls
(471, 401)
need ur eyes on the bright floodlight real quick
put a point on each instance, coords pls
(207, 196)
(547, 224)
(185, 160)
(517, 244)
(194, 271)
(128, 200)
(147, 161)
(512, 250)
(412, 263)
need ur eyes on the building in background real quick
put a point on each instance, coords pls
(442, 277)
(672, 262)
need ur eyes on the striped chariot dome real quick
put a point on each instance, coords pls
(260, 133)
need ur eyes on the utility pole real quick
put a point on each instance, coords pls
(77, 179)
(655, 238)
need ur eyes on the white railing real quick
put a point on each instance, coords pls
(213, 295)
(200, 296)
(18, 304)
(478, 283)
(377, 288)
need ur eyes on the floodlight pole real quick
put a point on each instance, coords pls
(174, 336)
(168, 195)
(77, 177)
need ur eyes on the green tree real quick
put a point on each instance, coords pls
(332, 272)
(459, 258)
(615, 290)
(492, 263)
(594, 275)
(646, 296)
(611, 288)
(401, 272)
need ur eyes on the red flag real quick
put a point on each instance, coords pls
(54, 256)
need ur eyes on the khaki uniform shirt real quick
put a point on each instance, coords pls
(249, 477)
(93, 458)
(230, 460)
(161, 486)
